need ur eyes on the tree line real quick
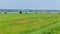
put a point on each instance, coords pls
(20, 12)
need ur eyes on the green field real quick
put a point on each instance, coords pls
(43, 23)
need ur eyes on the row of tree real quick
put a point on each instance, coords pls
(20, 12)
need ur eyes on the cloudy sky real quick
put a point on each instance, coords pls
(29, 4)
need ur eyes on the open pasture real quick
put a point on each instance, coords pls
(43, 23)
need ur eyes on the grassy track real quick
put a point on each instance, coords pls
(47, 23)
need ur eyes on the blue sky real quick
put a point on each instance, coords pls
(29, 4)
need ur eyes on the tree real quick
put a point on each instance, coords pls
(30, 10)
(5, 12)
(20, 12)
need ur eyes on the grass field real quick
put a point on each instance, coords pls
(43, 23)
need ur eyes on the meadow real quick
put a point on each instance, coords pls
(42, 23)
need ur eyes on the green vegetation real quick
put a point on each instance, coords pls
(43, 23)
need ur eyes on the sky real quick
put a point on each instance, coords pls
(29, 4)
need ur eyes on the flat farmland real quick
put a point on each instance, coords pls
(43, 23)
